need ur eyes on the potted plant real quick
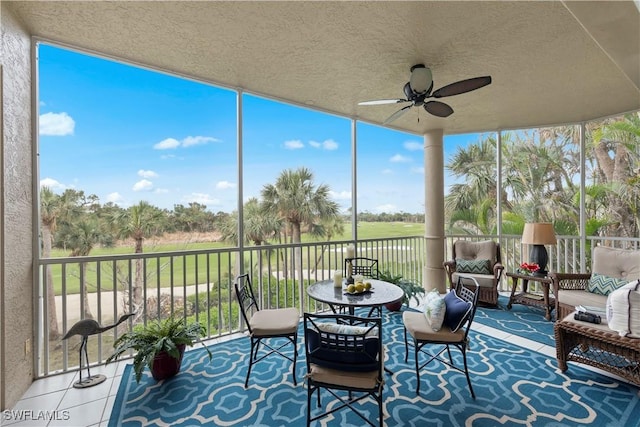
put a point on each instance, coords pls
(411, 289)
(160, 345)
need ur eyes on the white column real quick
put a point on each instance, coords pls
(433, 275)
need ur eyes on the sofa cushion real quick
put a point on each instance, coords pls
(457, 311)
(476, 266)
(615, 262)
(484, 280)
(623, 310)
(604, 285)
(476, 250)
(581, 297)
(434, 309)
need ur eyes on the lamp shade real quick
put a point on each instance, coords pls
(539, 233)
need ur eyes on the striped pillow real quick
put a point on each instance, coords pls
(474, 266)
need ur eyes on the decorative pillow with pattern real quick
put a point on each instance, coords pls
(434, 309)
(473, 266)
(604, 285)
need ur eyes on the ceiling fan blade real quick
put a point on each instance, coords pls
(383, 101)
(397, 114)
(462, 86)
(438, 108)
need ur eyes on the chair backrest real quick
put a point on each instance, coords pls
(367, 267)
(246, 298)
(342, 346)
(618, 263)
(468, 289)
(487, 249)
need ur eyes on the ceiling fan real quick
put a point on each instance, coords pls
(418, 90)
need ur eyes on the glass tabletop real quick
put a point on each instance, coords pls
(381, 293)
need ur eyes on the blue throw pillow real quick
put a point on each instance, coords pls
(457, 311)
(363, 359)
(473, 266)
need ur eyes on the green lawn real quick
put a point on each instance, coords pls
(182, 270)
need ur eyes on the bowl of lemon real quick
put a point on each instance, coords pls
(359, 287)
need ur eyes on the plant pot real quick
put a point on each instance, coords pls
(164, 366)
(394, 306)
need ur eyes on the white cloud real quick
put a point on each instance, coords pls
(161, 191)
(202, 198)
(225, 185)
(52, 184)
(342, 195)
(418, 170)
(189, 141)
(167, 144)
(413, 146)
(387, 172)
(114, 197)
(399, 158)
(198, 140)
(327, 144)
(57, 124)
(143, 185)
(147, 174)
(386, 208)
(293, 144)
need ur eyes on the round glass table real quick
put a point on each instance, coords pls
(381, 293)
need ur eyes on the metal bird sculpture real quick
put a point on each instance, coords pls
(84, 328)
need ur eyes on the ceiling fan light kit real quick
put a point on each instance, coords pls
(419, 87)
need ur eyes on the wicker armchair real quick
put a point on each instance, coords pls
(595, 344)
(570, 289)
(470, 251)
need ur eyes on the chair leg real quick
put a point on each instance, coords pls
(417, 350)
(380, 411)
(309, 393)
(295, 357)
(449, 353)
(252, 357)
(466, 370)
(406, 346)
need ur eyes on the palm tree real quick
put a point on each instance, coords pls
(139, 222)
(257, 226)
(49, 212)
(616, 149)
(80, 237)
(295, 199)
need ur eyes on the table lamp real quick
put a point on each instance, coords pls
(539, 234)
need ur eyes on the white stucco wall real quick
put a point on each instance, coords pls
(16, 306)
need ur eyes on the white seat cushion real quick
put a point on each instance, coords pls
(274, 322)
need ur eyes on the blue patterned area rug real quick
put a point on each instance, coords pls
(514, 387)
(523, 321)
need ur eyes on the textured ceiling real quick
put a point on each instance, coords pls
(551, 62)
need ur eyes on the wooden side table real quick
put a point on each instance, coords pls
(526, 298)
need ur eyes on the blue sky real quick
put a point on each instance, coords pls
(128, 134)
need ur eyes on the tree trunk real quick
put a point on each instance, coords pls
(54, 331)
(83, 290)
(297, 260)
(138, 303)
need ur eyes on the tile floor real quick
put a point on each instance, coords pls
(92, 406)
